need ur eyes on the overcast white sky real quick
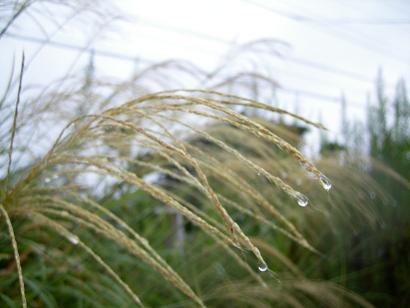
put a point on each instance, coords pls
(335, 46)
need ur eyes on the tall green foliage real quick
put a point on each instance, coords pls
(378, 258)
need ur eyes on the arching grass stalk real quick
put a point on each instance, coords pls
(16, 255)
(106, 144)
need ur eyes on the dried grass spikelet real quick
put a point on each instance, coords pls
(232, 117)
(95, 144)
(137, 246)
(60, 229)
(16, 255)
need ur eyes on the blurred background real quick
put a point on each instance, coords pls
(345, 64)
(324, 50)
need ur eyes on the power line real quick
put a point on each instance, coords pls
(309, 21)
(119, 56)
(178, 30)
(307, 63)
(330, 69)
(375, 22)
(103, 53)
(303, 62)
(358, 38)
(322, 97)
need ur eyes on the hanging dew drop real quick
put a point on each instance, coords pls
(327, 185)
(303, 202)
(73, 239)
(262, 267)
(301, 199)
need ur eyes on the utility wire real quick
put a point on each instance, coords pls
(308, 21)
(300, 61)
(119, 56)
(354, 37)
(103, 53)
(307, 63)
(375, 22)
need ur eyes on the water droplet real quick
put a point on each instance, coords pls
(262, 267)
(73, 239)
(47, 180)
(372, 195)
(327, 185)
(301, 199)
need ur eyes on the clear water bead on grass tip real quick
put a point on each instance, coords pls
(73, 239)
(50, 178)
(262, 267)
(301, 199)
(327, 185)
